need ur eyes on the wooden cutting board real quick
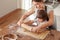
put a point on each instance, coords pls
(35, 35)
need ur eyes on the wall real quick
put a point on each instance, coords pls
(7, 6)
(19, 3)
(57, 14)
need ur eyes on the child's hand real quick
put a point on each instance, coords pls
(19, 23)
(36, 30)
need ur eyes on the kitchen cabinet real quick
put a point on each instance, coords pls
(57, 14)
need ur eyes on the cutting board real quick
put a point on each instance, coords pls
(41, 35)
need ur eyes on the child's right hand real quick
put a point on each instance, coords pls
(19, 23)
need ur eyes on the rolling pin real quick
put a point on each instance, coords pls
(26, 27)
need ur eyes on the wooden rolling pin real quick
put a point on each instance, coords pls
(29, 28)
(26, 27)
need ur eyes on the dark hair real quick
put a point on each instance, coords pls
(37, 0)
(42, 14)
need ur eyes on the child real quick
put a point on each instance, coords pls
(41, 18)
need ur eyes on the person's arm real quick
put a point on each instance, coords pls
(51, 20)
(31, 11)
(50, 16)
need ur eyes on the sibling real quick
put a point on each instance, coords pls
(41, 18)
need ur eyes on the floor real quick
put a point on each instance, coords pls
(14, 16)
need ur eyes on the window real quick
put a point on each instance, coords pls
(26, 4)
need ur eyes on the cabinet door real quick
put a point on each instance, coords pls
(58, 22)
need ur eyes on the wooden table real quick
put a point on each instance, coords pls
(14, 16)
(54, 35)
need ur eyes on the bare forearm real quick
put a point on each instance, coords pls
(47, 24)
(51, 20)
(23, 17)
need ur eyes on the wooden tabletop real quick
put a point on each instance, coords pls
(11, 17)
(54, 35)
(14, 16)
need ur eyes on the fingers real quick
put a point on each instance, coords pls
(36, 30)
(18, 23)
(33, 30)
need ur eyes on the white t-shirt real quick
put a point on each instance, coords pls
(37, 23)
(33, 16)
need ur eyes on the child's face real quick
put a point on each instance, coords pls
(40, 20)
